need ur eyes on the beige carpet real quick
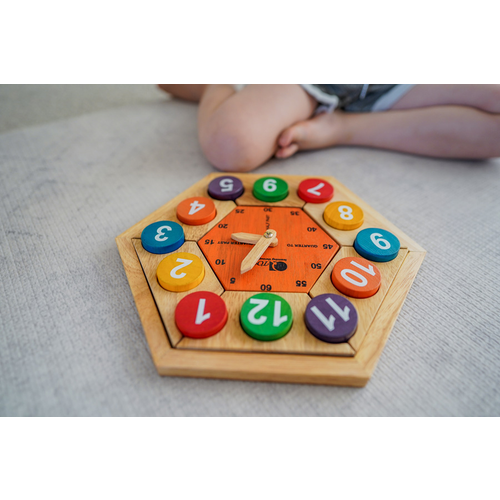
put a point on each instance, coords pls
(71, 342)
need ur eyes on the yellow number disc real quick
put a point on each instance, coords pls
(343, 215)
(180, 272)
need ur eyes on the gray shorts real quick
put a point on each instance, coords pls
(356, 98)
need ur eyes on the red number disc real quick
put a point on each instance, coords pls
(200, 315)
(315, 191)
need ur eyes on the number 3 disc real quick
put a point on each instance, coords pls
(162, 237)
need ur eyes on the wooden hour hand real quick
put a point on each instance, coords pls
(261, 242)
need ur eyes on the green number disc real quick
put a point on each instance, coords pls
(270, 189)
(266, 316)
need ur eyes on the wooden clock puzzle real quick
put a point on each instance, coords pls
(270, 278)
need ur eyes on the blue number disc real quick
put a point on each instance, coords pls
(162, 237)
(377, 245)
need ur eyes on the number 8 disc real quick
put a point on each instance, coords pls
(343, 215)
(377, 245)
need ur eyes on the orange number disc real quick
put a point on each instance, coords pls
(356, 277)
(196, 211)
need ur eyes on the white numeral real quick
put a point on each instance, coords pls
(278, 319)
(379, 241)
(346, 212)
(200, 317)
(328, 322)
(344, 314)
(184, 263)
(368, 269)
(260, 304)
(270, 185)
(315, 189)
(161, 235)
(226, 185)
(195, 207)
(345, 274)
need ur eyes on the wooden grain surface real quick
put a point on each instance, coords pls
(269, 366)
(298, 340)
(167, 301)
(372, 219)
(169, 212)
(367, 308)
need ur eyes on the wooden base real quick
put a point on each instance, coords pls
(298, 357)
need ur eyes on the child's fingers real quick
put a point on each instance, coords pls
(287, 151)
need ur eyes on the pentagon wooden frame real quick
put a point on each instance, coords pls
(270, 366)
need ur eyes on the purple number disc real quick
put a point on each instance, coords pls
(225, 188)
(331, 318)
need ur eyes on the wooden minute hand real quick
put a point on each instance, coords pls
(261, 242)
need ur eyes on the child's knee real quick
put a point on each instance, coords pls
(230, 146)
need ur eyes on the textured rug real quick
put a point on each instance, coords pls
(71, 342)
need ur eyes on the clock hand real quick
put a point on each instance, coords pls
(260, 247)
(251, 239)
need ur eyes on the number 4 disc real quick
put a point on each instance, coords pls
(196, 211)
(377, 245)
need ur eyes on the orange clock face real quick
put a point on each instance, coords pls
(294, 265)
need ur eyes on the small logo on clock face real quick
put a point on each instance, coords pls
(303, 252)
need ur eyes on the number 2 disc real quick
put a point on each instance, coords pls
(196, 211)
(343, 215)
(180, 272)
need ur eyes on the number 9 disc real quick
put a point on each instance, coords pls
(343, 215)
(377, 245)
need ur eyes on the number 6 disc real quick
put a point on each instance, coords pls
(343, 215)
(377, 245)
(180, 272)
